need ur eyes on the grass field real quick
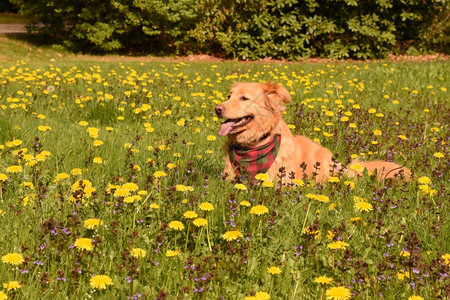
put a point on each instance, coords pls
(112, 186)
(9, 18)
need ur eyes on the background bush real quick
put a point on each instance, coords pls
(245, 29)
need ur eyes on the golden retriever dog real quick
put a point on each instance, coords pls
(259, 140)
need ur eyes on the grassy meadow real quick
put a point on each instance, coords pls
(111, 184)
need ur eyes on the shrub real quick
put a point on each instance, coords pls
(246, 29)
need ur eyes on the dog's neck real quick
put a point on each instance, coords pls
(253, 142)
(257, 139)
(254, 160)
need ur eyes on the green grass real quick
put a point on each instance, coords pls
(8, 18)
(42, 217)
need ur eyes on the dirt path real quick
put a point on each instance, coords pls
(12, 28)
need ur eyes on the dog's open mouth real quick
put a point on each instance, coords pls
(231, 125)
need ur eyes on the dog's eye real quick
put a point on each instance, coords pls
(243, 98)
(229, 96)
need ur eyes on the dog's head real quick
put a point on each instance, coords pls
(252, 111)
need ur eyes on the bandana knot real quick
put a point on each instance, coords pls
(254, 160)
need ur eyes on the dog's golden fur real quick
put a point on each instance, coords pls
(259, 107)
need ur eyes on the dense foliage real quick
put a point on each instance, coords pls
(246, 29)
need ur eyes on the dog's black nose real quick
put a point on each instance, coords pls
(219, 110)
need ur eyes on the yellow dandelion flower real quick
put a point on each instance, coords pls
(131, 186)
(83, 123)
(259, 296)
(274, 270)
(13, 259)
(97, 143)
(27, 184)
(122, 192)
(76, 171)
(84, 244)
(357, 167)
(245, 203)
(172, 253)
(40, 157)
(28, 157)
(3, 296)
(320, 198)
(438, 155)
(262, 177)
(61, 176)
(93, 132)
(267, 183)
(17, 143)
(44, 128)
(402, 274)
(377, 132)
(332, 206)
(92, 223)
(176, 225)
(240, 186)
(12, 285)
(97, 160)
(415, 297)
(159, 174)
(363, 206)
(330, 235)
(313, 233)
(333, 179)
(100, 282)
(190, 214)
(3, 177)
(199, 222)
(337, 245)
(446, 258)
(138, 252)
(154, 206)
(323, 280)
(350, 184)
(356, 220)
(180, 188)
(14, 169)
(211, 138)
(259, 210)
(206, 206)
(232, 235)
(338, 293)
(298, 182)
(405, 253)
(46, 153)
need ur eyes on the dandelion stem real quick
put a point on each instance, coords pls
(306, 217)
(187, 236)
(198, 238)
(207, 235)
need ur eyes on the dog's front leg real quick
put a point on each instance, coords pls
(229, 170)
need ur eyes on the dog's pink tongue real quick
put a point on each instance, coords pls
(225, 128)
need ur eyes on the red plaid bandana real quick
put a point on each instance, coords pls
(254, 160)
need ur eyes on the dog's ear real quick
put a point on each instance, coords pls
(277, 95)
